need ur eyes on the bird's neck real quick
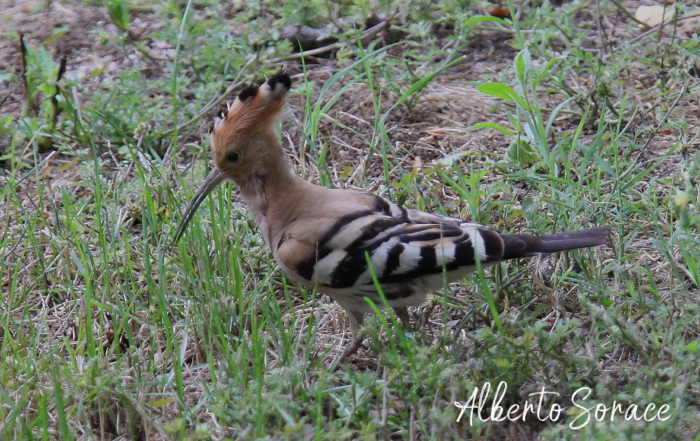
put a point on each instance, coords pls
(269, 192)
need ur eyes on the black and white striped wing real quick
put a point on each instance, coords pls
(403, 246)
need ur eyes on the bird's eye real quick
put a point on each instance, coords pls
(232, 157)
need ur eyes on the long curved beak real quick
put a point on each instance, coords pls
(215, 177)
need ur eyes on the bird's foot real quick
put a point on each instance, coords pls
(351, 350)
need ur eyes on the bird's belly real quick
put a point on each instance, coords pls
(410, 293)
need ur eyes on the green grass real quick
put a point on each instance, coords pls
(107, 332)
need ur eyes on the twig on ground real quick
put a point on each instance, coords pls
(626, 12)
(141, 8)
(629, 123)
(654, 29)
(26, 99)
(661, 123)
(141, 47)
(55, 109)
(367, 33)
(9, 93)
(601, 32)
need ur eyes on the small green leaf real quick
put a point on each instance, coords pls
(479, 18)
(503, 91)
(522, 153)
(503, 363)
(98, 71)
(476, 176)
(522, 65)
(499, 90)
(161, 402)
(5, 76)
(693, 346)
(347, 171)
(57, 33)
(178, 425)
(529, 204)
(516, 214)
(490, 125)
(607, 302)
(119, 13)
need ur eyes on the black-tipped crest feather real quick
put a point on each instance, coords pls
(282, 78)
(248, 92)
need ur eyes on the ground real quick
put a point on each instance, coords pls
(110, 332)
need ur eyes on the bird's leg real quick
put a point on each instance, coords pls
(356, 320)
(426, 316)
(402, 313)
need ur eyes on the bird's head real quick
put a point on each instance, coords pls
(242, 139)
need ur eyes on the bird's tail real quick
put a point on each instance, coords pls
(523, 245)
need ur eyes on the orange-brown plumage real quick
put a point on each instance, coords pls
(256, 112)
(252, 115)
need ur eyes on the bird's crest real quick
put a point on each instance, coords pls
(256, 107)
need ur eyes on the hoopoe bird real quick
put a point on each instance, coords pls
(324, 238)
